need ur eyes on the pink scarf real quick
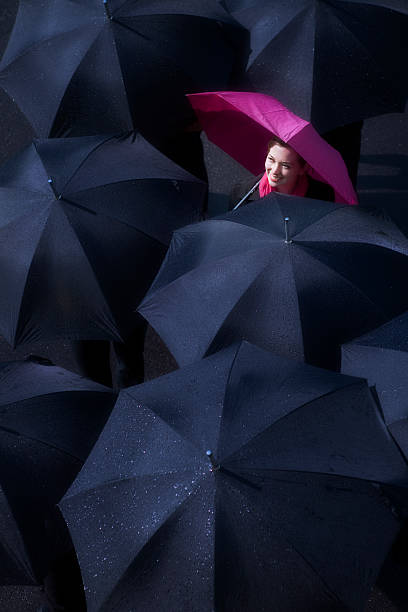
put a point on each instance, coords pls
(300, 189)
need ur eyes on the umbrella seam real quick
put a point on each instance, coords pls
(48, 444)
(111, 216)
(309, 564)
(183, 437)
(371, 56)
(289, 414)
(88, 155)
(17, 330)
(183, 274)
(22, 565)
(95, 276)
(150, 537)
(348, 281)
(40, 42)
(374, 481)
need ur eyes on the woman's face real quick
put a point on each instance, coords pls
(283, 168)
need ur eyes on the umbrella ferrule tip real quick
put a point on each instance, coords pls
(286, 221)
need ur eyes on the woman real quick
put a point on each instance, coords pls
(285, 172)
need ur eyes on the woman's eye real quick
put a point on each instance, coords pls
(285, 166)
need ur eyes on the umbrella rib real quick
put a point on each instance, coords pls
(96, 277)
(166, 423)
(309, 564)
(97, 146)
(26, 436)
(111, 216)
(288, 415)
(345, 279)
(182, 275)
(372, 481)
(38, 43)
(268, 263)
(156, 530)
(119, 480)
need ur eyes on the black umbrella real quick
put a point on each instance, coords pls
(339, 272)
(243, 482)
(84, 225)
(49, 420)
(331, 62)
(381, 356)
(103, 65)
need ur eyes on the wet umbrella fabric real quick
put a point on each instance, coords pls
(235, 277)
(381, 356)
(153, 519)
(241, 124)
(88, 68)
(84, 226)
(49, 420)
(323, 59)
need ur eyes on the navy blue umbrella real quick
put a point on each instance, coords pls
(293, 275)
(381, 356)
(241, 482)
(83, 68)
(49, 420)
(322, 58)
(84, 226)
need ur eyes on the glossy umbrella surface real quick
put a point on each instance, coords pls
(302, 290)
(84, 226)
(49, 420)
(332, 62)
(80, 68)
(235, 482)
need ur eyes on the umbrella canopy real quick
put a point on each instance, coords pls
(331, 61)
(49, 420)
(84, 226)
(381, 356)
(112, 65)
(242, 123)
(225, 486)
(338, 272)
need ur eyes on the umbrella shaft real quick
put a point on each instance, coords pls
(247, 194)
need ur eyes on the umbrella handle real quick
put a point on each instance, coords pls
(247, 194)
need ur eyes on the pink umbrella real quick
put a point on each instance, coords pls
(241, 124)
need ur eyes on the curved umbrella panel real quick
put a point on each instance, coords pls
(20, 239)
(88, 275)
(15, 564)
(101, 73)
(381, 358)
(49, 420)
(334, 71)
(32, 489)
(36, 81)
(244, 531)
